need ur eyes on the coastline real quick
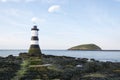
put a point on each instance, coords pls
(58, 67)
(98, 55)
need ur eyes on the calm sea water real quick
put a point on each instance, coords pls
(98, 55)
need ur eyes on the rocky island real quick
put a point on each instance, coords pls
(86, 47)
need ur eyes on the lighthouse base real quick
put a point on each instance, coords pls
(34, 50)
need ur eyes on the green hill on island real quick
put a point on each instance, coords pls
(85, 47)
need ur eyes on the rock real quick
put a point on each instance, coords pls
(85, 47)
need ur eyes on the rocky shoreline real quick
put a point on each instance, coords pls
(49, 67)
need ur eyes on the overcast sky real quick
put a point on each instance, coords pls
(62, 23)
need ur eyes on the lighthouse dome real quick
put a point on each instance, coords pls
(35, 28)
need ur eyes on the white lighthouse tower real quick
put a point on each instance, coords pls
(34, 45)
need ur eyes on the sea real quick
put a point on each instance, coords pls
(113, 56)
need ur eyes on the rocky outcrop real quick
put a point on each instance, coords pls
(85, 47)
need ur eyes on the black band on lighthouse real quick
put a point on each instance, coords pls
(34, 46)
(34, 38)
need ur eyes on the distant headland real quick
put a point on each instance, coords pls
(86, 47)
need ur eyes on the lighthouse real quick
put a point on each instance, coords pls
(34, 45)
